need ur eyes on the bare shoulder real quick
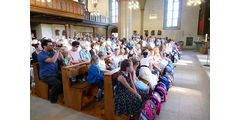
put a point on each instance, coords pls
(121, 78)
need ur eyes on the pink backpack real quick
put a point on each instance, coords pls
(148, 112)
(162, 92)
(156, 99)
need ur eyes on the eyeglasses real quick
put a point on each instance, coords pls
(77, 46)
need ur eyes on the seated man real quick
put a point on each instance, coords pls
(48, 62)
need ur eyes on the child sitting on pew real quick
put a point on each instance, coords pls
(145, 71)
(116, 58)
(95, 76)
(102, 64)
(129, 100)
(141, 85)
(67, 60)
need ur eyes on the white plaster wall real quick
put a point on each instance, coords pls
(188, 27)
(102, 7)
(47, 30)
(57, 27)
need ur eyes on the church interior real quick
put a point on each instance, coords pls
(120, 60)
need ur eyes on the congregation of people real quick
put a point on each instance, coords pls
(136, 58)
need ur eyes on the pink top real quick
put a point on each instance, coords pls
(74, 56)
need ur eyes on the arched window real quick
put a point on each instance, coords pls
(114, 11)
(172, 14)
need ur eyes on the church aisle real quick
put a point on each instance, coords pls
(44, 110)
(189, 98)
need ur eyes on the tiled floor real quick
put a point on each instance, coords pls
(188, 99)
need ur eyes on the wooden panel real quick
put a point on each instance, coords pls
(64, 5)
(43, 3)
(49, 4)
(71, 6)
(38, 2)
(41, 87)
(73, 93)
(32, 2)
(58, 4)
(54, 4)
(108, 95)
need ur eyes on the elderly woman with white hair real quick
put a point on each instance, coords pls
(84, 52)
(109, 48)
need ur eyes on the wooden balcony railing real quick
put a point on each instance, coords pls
(65, 8)
(100, 18)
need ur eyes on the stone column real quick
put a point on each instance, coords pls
(142, 18)
(124, 20)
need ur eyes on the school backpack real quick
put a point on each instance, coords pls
(168, 69)
(169, 76)
(156, 99)
(170, 79)
(162, 91)
(171, 64)
(165, 80)
(148, 112)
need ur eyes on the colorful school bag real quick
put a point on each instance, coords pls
(171, 64)
(148, 112)
(165, 80)
(169, 76)
(169, 70)
(170, 79)
(156, 99)
(162, 91)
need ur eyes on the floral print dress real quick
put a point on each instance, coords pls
(127, 102)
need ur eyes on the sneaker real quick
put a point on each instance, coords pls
(53, 100)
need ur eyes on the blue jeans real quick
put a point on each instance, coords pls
(141, 85)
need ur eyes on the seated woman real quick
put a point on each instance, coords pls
(94, 50)
(84, 53)
(102, 47)
(95, 76)
(141, 85)
(145, 71)
(129, 99)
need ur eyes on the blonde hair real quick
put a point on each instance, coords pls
(156, 51)
(65, 54)
(94, 60)
(135, 60)
(122, 51)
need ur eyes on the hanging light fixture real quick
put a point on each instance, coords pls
(133, 4)
(95, 12)
(194, 2)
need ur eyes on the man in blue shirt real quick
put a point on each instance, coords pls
(48, 63)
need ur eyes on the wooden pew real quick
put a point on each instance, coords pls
(42, 89)
(143, 80)
(73, 92)
(109, 82)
